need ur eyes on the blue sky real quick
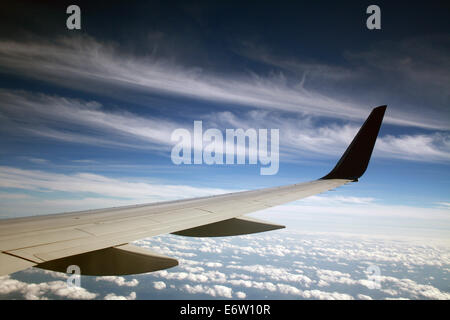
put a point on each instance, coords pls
(86, 116)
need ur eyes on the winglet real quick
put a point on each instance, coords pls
(355, 159)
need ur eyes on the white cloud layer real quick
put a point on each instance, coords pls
(41, 291)
(120, 281)
(311, 266)
(113, 296)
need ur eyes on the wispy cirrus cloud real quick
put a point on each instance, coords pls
(78, 121)
(35, 180)
(87, 64)
(410, 75)
(306, 137)
(82, 191)
(88, 122)
(420, 147)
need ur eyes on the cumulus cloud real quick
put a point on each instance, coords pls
(330, 276)
(323, 295)
(299, 273)
(304, 278)
(120, 281)
(223, 291)
(291, 290)
(159, 285)
(203, 277)
(215, 291)
(411, 287)
(274, 273)
(42, 291)
(113, 296)
(214, 264)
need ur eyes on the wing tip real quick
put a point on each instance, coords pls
(355, 159)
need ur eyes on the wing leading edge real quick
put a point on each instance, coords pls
(98, 240)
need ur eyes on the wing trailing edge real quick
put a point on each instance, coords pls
(10, 264)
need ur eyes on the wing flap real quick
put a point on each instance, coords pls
(38, 238)
(230, 227)
(120, 260)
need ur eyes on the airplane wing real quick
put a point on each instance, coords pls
(98, 241)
